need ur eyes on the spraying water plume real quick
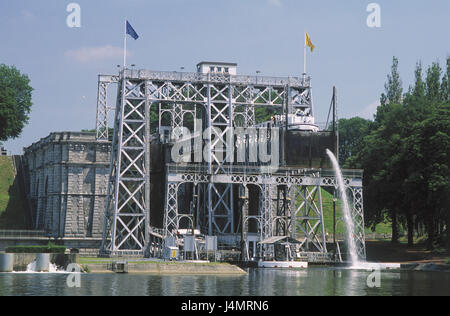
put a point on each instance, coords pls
(350, 231)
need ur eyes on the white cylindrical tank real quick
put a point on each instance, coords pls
(6, 262)
(42, 262)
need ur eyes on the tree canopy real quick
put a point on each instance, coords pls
(351, 134)
(15, 102)
(405, 154)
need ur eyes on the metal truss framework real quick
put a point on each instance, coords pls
(227, 102)
(358, 220)
(102, 106)
(287, 202)
(128, 198)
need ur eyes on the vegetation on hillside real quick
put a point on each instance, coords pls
(405, 154)
(381, 228)
(11, 207)
(49, 248)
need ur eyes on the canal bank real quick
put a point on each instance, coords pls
(94, 265)
(20, 262)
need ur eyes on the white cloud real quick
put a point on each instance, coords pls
(369, 111)
(90, 54)
(275, 2)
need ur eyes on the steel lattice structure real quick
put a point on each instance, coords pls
(289, 200)
(128, 197)
(102, 105)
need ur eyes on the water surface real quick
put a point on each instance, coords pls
(264, 282)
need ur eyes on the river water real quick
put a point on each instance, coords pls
(258, 282)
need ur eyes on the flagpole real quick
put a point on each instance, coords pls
(125, 45)
(304, 58)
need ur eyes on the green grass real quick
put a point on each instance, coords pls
(11, 207)
(89, 260)
(6, 181)
(327, 204)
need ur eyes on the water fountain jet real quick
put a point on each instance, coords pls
(348, 218)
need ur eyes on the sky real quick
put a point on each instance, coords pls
(260, 35)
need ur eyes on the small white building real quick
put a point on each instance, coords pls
(205, 67)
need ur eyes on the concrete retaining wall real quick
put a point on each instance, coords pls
(22, 260)
(172, 268)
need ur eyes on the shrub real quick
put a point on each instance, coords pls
(50, 248)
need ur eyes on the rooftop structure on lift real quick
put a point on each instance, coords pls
(215, 67)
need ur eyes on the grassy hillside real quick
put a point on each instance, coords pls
(11, 205)
(327, 203)
(6, 181)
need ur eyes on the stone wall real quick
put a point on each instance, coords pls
(67, 184)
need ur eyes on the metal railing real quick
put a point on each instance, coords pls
(371, 236)
(315, 257)
(146, 74)
(256, 170)
(346, 173)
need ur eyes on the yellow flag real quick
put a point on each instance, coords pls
(308, 42)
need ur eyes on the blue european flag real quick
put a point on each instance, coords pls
(131, 31)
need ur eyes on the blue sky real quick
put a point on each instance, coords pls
(265, 35)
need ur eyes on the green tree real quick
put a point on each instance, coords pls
(393, 87)
(433, 82)
(445, 85)
(15, 102)
(381, 159)
(429, 146)
(351, 134)
(385, 127)
(416, 109)
(406, 157)
(418, 92)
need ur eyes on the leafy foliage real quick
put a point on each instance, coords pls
(49, 248)
(351, 134)
(15, 102)
(405, 154)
